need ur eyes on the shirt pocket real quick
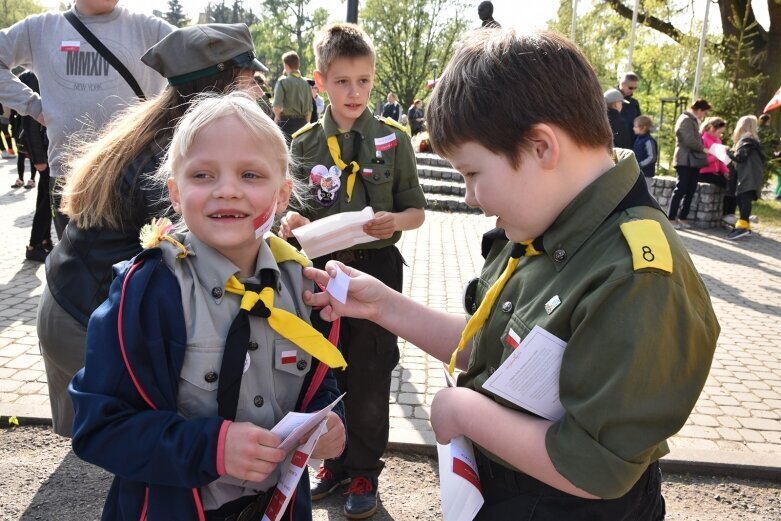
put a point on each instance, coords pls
(378, 179)
(290, 366)
(512, 334)
(199, 380)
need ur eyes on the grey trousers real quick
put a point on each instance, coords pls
(62, 340)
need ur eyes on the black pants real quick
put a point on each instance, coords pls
(21, 157)
(713, 179)
(684, 190)
(371, 353)
(730, 200)
(42, 219)
(60, 219)
(290, 125)
(513, 495)
(745, 202)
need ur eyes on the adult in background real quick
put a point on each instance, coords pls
(689, 157)
(486, 13)
(318, 105)
(108, 210)
(615, 105)
(292, 97)
(79, 89)
(631, 111)
(391, 109)
(416, 116)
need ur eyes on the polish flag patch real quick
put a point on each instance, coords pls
(70, 46)
(367, 172)
(385, 143)
(288, 357)
(513, 339)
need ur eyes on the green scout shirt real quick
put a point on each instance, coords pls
(294, 95)
(387, 179)
(639, 341)
(269, 388)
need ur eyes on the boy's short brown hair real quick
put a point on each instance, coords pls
(341, 40)
(292, 60)
(501, 83)
(644, 122)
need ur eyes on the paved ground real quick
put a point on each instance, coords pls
(737, 421)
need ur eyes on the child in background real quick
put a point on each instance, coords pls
(645, 148)
(582, 251)
(216, 346)
(374, 163)
(716, 172)
(750, 170)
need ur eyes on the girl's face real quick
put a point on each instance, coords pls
(227, 179)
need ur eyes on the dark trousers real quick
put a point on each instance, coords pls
(730, 200)
(371, 353)
(745, 202)
(713, 179)
(20, 159)
(517, 496)
(60, 219)
(42, 219)
(684, 190)
(290, 125)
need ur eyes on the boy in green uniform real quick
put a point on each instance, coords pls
(352, 160)
(582, 251)
(292, 97)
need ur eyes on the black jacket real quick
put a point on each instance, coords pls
(78, 269)
(621, 138)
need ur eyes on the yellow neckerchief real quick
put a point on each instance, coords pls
(336, 155)
(289, 325)
(526, 249)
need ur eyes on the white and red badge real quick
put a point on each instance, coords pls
(385, 143)
(288, 357)
(70, 46)
(513, 339)
(263, 222)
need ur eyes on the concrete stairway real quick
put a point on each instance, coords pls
(443, 186)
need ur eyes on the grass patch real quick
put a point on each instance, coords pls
(769, 212)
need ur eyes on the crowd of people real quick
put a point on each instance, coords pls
(179, 323)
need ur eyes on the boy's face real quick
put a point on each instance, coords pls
(516, 196)
(349, 85)
(227, 179)
(639, 130)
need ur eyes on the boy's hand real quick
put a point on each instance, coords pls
(251, 452)
(382, 226)
(290, 222)
(331, 443)
(364, 297)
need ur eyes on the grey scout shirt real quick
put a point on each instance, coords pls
(269, 387)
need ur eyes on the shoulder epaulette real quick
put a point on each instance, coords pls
(393, 123)
(303, 130)
(283, 251)
(648, 245)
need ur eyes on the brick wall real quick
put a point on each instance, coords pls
(706, 207)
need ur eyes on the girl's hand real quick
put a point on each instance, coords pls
(382, 226)
(364, 297)
(251, 452)
(331, 443)
(290, 222)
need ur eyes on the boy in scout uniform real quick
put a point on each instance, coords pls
(292, 97)
(352, 160)
(581, 251)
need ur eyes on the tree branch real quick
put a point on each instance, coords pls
(650, 21)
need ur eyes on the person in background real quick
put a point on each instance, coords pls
(391, 109)
(108, 210)
(716, 172)
(318, 105)
(615, 104)
(771, 145)
(750, 169)
(645, 148)
(6, 133)
(485, 11)
(292, 97)
(631, 110)
(21, 153)
(416, 117)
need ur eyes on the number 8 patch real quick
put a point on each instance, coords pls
(648, 244)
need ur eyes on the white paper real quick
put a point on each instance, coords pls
(449, 379)
(459, 480)
(291, 470)
(294, 425)
(333, 233)
(530, 375)
(720, 151)
(339, 285)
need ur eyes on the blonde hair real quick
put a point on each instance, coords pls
(341, 40)
(207, 108)
(746, 126)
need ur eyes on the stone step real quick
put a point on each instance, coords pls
(448, 203)
(441, 186)
(432, 160)
(439, 172)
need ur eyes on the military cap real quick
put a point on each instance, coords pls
(197, 51)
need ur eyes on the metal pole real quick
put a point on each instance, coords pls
(352, 11)
(632, 35)
(700, 52)
(574, 19)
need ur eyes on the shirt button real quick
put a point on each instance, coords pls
(507, 306)
(301, 365)
(252, 346)
(210, 377)
(217, 292)
(258, 401)
(376, 177)
(559, 255)
(348, 135)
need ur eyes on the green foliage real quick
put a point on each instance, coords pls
(233, 14)
(413, 40)
(175, 15)
(11, 11)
